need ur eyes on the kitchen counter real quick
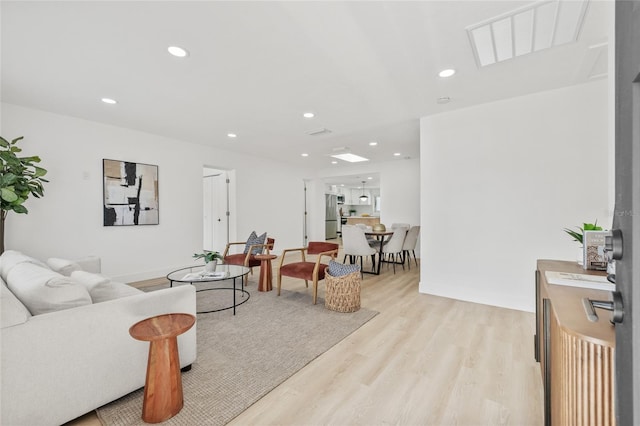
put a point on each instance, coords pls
(367, 220)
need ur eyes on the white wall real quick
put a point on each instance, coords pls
(499, 183)
(67, 222)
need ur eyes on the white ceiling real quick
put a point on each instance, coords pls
(368, 70)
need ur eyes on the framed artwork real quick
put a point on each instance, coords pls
(130, 193)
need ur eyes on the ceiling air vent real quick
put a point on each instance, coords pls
(317, 132)
(526, 30)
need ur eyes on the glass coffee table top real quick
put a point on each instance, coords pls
(198, 274)
(198, 277)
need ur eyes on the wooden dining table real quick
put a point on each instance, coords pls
(381, 237)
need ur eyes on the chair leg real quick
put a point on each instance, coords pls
(405, 255)
(392, 256)
(344, 259)
(373, 262)
(414, 257)
(315, 290)
(279, 282)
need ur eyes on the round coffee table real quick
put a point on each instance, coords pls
(163, 386)
(197, 274)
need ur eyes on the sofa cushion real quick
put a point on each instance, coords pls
(12, 311)
(102, 288)
(11, 258)
(42, 290)
(63, 266)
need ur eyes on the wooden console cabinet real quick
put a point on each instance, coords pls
(576, 355)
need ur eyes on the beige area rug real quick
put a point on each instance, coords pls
(243, 357)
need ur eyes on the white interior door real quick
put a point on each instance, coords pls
(216, 207)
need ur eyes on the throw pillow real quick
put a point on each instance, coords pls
(63, 266)
(42, 290)
(102, 288)
(11, 258)
(89, 279)
(339, 269)
(254, 239)
(112, 290)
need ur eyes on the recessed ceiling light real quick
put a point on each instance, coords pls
(308, 115)
(351, 158)
(335, 162)
(304, 154)
(370, 178)
(109, 101)
(232, 135)
(373, 143)
(397, 154)
(178, 52)
(447, 73)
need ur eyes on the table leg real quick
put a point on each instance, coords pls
(266, 276)
(163, 387)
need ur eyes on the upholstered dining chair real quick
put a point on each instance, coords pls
(355, 244)
(409, 245)
(393, 247)
(248, 256)
(400, 225)
(306, 269)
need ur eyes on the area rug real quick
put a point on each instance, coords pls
(241, 358)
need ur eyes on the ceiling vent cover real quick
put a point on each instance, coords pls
(526, 30)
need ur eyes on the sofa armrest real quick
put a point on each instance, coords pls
(86, 352)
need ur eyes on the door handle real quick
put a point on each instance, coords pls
(614, 306)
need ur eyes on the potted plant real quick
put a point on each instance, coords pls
(579, 235)
(19, 178)
(210, 259)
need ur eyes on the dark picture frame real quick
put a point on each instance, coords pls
(130, 193)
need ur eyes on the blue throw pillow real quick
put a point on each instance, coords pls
(339, 269)
(253, 240)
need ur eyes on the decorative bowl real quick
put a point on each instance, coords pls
(378, 227)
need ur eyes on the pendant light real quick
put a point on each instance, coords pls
(363, 197)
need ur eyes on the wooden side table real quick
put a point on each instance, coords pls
(266, 273)
(163, 386)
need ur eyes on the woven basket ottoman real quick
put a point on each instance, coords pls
(342, 294)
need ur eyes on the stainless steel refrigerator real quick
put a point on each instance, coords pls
(331, 216)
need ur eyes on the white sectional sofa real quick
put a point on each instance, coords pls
(65, 343)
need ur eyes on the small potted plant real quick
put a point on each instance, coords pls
(210, 259)
(579, 235)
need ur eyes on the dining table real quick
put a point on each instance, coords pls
(381, 236)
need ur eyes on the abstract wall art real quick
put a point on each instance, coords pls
(130, 193)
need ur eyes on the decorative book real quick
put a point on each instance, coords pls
(595, 282)
(594, 256)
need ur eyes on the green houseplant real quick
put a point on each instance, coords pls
(208, 256)
(19, 179)
(210, 259)
(577, 236)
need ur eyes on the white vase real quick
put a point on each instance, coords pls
(211, 266)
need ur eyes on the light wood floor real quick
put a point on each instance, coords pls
(424, 360)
